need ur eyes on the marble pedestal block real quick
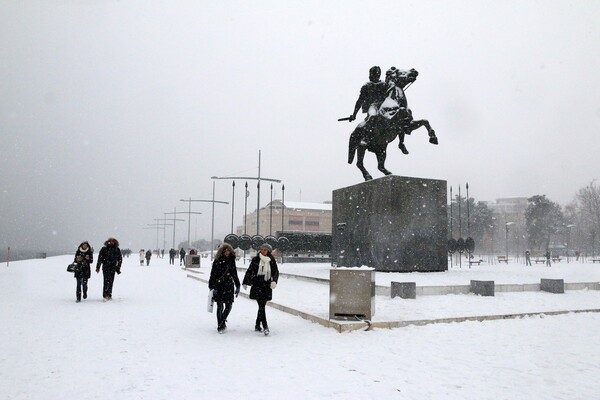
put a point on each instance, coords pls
(404, 290)
(392, 224)
(351, 293)
(552, 285)
(483, 288)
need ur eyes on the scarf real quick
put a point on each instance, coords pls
(264, 267)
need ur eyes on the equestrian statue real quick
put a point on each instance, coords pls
(388, 117)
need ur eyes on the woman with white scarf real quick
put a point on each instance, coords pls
(262, 276)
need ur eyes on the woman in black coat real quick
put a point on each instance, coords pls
(110, 259)
(84, 256)
(262, 275)
(223, 276)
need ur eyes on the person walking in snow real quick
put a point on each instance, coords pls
(84, 256)
(172, 254)
(548, 258)
(148, 257)
(181, 256)
(223, 277)
(142, 254)
(527, 258)
(110, 259)
(262, 276)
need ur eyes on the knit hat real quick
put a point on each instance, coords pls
(266, 246)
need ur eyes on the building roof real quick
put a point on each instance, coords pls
(304, 205)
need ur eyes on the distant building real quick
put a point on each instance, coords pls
(509, 225)
(297, 217)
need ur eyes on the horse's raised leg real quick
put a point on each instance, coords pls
(416, 124)
(360, 155)
(381, 156)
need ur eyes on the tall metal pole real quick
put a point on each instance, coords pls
(258, 198)
(232, 203)
(282, 211)
(212, 229)
(189, 245)
(189, 201)
(282, 206)
(451, 216)
(271, 209)
(245, 206)
(468, 214)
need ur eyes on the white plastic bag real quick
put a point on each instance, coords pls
(209, 305)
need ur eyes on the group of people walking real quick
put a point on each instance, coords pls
(262, 276)
(109, 259)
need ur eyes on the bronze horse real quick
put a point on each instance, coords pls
(393, 119)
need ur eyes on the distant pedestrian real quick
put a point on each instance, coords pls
(181, 256)
(142, 255)
(172, 254)
(110, 259)
(148, 257)
(262, 276)
(162, 253)
(548, 258)
(527, 258)
(84, 256)
(577, 255)
(223, 277)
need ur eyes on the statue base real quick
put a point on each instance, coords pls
(392, 224)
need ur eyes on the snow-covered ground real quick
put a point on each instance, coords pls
(156, 341)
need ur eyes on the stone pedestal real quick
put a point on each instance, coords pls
(393, 224)
(552, 285)
(192, 261)
(483, 288)
(404, 290)
(351, 293)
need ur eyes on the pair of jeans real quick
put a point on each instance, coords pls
(81, 284)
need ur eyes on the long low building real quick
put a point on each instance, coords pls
(290, 216)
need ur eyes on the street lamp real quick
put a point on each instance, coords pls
(213, 201)
(507, 224)
(189, 213)
(257, 178)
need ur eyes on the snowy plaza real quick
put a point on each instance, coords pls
(156, 340)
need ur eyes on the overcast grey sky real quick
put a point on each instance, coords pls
(112, 111)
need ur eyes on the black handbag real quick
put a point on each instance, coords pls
(74, 267)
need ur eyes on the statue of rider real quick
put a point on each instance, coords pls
(372, 94)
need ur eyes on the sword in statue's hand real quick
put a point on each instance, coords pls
(350, 118)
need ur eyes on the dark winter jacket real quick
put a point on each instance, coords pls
(84, 258)
(261, 289)
(181, 253)
(223, 276)
(110, 256)
(148, 255)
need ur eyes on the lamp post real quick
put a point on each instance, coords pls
(507, 225)
(157, 227)
(258, 178)
(213, 201)
(189, 213)
(174, 221)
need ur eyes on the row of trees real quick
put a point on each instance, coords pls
(544, 225)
